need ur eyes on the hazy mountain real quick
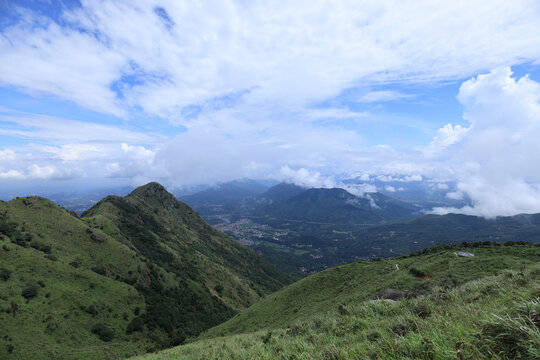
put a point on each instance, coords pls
(280, 192)
(336, 206)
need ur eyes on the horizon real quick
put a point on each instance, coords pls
(444, 96)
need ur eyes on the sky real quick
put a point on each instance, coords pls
(99, 93)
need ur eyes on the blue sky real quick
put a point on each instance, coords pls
(124, 92)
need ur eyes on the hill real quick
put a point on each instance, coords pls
(484, 306)
(133, 274)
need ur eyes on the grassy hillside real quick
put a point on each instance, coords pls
(136, 274)
(359, 281)
(479, 307)
(495, 317)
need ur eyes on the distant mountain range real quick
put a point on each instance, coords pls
(132, 274)
(304, 230)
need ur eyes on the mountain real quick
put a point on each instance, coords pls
(223, 198)
(337, 206)
(428, 230)
(280, 192)
(435, 305)
(133, 274)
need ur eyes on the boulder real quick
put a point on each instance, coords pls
(96, 238)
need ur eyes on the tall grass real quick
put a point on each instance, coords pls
(496, 317)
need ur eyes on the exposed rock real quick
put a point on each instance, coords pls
(464, 254)
(391, 294)
(96, 238)
(27, 202)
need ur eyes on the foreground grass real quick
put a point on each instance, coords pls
(495, 317)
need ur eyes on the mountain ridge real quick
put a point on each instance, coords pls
(133, 274)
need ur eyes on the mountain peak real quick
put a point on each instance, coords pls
(152, 189)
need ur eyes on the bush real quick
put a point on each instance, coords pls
(219, 289)
(4, 274)
(30, 292)
(92, 310)
(417, 272)
(100, 270)
(266, 338)
(103, 332)
(41, 247)
(137, 324)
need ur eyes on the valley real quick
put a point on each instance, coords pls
(303, 231)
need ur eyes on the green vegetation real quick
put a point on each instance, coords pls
(134, 274)
(484, 307)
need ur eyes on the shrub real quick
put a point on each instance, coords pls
(92, 310)
(137, 324)
(422, 310)
(219, 289)
(404, 326)
(51, 257)
(30, 292)
(103, 332)
(99, 270)
(417, 272)
(266, 337)
(4, 274)
(41, 247)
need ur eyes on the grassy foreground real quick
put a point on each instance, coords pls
(490, 317)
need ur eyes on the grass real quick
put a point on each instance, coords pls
(360, 281)
(137, 274)
(494, 317)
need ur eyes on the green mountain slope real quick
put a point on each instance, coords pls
(137, 273)
(360, 281)
(486, 306)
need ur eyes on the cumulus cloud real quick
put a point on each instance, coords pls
(446, 136)
(305, 178)
(496, 162)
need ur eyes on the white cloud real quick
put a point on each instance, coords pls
(138, 152)
(496, 161)
(7, 155)
(305, 178)
(446, 136)
(390, 188)
(383, 95)
(455, 195)
(442, 186)
(11, 174)
(248, 55)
